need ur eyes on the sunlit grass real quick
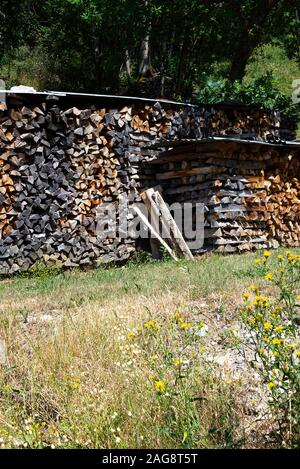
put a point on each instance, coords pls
(85, 351)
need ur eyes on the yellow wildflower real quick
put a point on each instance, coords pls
(258, 261)
(276, 341)
(268, 276)
(251, 320)
(261, 301)
(280, 257)
(160, 386)
(257, 301)
(185, 325)
(267, 325)
(151, 325)
(262, 351)
(279, 328)
(201, 324)
(253, 288)
(271, 385)
(267, 254)
(177, 362)
(178, 317)
(289, 256)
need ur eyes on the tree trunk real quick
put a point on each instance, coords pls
(97, 57)
(298, 32)
(251, 34)
(163, 67)
(183, 58)
(239, 63)
(128, 64)
(145, 59)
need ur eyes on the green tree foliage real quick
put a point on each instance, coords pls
(18, 25)
(171, 48)
(261, 91)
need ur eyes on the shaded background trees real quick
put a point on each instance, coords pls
(187, 49)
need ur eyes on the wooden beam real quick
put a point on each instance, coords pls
(154, 232)
(169, 221)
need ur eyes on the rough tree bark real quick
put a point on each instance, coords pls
(128, 64)
(252, 32)
(145, 58)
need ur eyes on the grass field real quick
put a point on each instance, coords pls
(107, 358)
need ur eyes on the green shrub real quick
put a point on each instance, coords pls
(274, 339)
(262, 91)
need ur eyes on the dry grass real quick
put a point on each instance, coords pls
(73, 377)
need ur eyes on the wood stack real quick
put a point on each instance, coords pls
(280, 204)
(247, 204)
(56, 168)
(60, 164)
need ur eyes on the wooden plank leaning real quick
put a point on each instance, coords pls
(170, 222)
(154, 232)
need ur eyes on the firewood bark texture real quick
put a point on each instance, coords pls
(251, 192)
(60, 163)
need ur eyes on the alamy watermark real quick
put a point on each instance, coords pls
(121, 220)
(296, 91)
(2, 94)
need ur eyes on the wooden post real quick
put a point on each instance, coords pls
(169, 221)
(155, 220)
(154, 232)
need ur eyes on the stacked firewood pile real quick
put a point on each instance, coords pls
(250, 193)
(56, 168)
(59, 165)
(280, 205)
(152, 122)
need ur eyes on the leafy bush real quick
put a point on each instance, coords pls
(275, 342)
(186, 385)
(261, 92)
